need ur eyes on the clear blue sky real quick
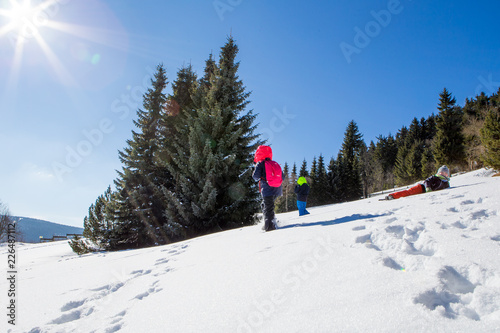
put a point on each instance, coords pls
(70, 88)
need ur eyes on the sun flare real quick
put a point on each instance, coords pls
(23, 26)
(21, 19)
(48, 32)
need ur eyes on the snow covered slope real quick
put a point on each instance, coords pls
(427, 263)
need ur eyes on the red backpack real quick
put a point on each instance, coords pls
(274, 175)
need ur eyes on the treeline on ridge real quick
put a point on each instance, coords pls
(464, 138)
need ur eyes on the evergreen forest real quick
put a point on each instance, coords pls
(186, 170)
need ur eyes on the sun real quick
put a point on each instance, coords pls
(20, 13)
(32, 31)
(23, 24)
(21, 19)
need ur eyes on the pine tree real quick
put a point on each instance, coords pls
(332, 176)
(303, 169)
(203, 85)
(173, 131)
(475, 112)
(293, 175)
(350, 163)
(286, 202)
(98, 227)
(293, 181)
(320, 182)
(214, 187)
(490, 137)
(338, 178)
(139, 200)
(286, 185)
(183, 88)
(365, 169)
(427, 161)
(449, 141)
(313, 181)
(384, 159)
(414, 161)
(400, 166)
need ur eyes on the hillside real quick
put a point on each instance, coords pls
(32, 229)
(427, 263)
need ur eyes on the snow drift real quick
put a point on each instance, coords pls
(427, 263)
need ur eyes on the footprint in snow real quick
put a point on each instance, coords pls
(72, 305)
(478, 214)
(459, 225)
(397, 230)
(367, 241)
(115, 324)
(140, 272)
(72, 316)
(391, 263)
(109, 288)
(390, 220)
(162, 261)
(448, 296)
(153, 289)
(114, 328)
(364, 239)
(361, 227)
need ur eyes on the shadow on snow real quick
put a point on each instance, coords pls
(346, 219)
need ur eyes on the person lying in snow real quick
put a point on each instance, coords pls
(439, 181)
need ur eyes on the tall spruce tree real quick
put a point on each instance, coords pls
(293, 175)
(332, 176)
(490, 137)
(204, 83)
(303, 169)
(180, 105)
(313, 175)
(449, 141)
(214, 187)
(350, 168)
(384, 158)
(475, 113)
(182, 98)
(139, 200)
(321, 187)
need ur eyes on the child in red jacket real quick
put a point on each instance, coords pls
(268, 192)
(439, 181)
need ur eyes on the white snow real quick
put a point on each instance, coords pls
(426, 263)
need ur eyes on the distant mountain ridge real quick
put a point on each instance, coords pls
(32, 229)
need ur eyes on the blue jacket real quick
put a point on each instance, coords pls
(259, 175)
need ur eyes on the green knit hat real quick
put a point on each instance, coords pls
(301, 180)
